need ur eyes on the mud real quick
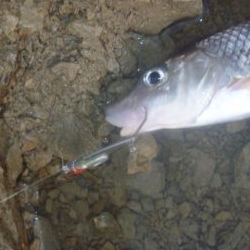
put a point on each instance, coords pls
(61, 62)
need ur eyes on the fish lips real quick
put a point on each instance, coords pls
(127, 118)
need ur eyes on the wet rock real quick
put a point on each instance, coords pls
(117, 196)
(145, 151)
(82, 209)
(9, 23)
(72, 191)
(98, 207)
(236, 237)
(108, 246)
(212, 236)
(134, 206)
(223, 216)
(242, 168)
(203, 167)
(106, 224)
(32, 15)
(142, 17)
(45, 233)
(234, 127)
(35, 245)
(149, 183)
(38, 159)
(147, 204)
(66, 69)
(184, 209)
(190, 228)
(14, 161)
(49, 206)
(126, 220)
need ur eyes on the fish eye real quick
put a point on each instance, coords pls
(154, 77)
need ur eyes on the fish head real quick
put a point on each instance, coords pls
(169, 96)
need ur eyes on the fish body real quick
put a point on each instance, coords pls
(208, 85)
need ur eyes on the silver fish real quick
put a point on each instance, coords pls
(208, 85)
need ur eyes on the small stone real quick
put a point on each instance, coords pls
(108, 246)
(38, 159)
(82, 209)
(134, 206)
(203, 167)
(223, 216)
(106, 224)
(67, 69)
(212, 236)
(184, 209)
(70, 242)
(72, 214)
(62, 198)
(171, 214)
(216, 181)
(149, 183)
(29, 84)
(35, 245)
(126, 220)
(54, 193)
(147, 204)
(14, 161)
(93, 197)
(49, 206)
(234, 127)
(146, 150)
(98, 207)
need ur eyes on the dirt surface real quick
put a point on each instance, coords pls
(61, 62)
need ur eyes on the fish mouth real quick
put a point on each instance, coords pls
(128, 119)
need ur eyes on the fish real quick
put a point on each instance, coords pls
(208, 85)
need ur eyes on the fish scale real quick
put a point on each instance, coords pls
(234, 44)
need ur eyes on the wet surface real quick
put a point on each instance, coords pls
(61, 63)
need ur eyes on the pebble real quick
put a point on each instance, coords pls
(184, 209)
(147, 204)
(149, 183)
(134, 206)
(82, 208)
(108, 246)
(126, 220)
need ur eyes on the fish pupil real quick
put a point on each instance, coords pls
(154, 77)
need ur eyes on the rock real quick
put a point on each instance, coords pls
(72, 191)
(117, 196)
(242, 168)
(190, 228)
(184, 209)
(203, 167)
(145, 151)
(32, 15)
(45, 233)
(126, 220)
(236, 237)
(82, 209)
(49, 206)
(9, 24)
(14, 161)
(147, 204)
(149, 183)
(35, 245)
(54, 193)
(66, 69)
(108, 246)
(38, 159)
(212, 236)
(223, 216)
(234, 127)
(134, 206)
(106, 224)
